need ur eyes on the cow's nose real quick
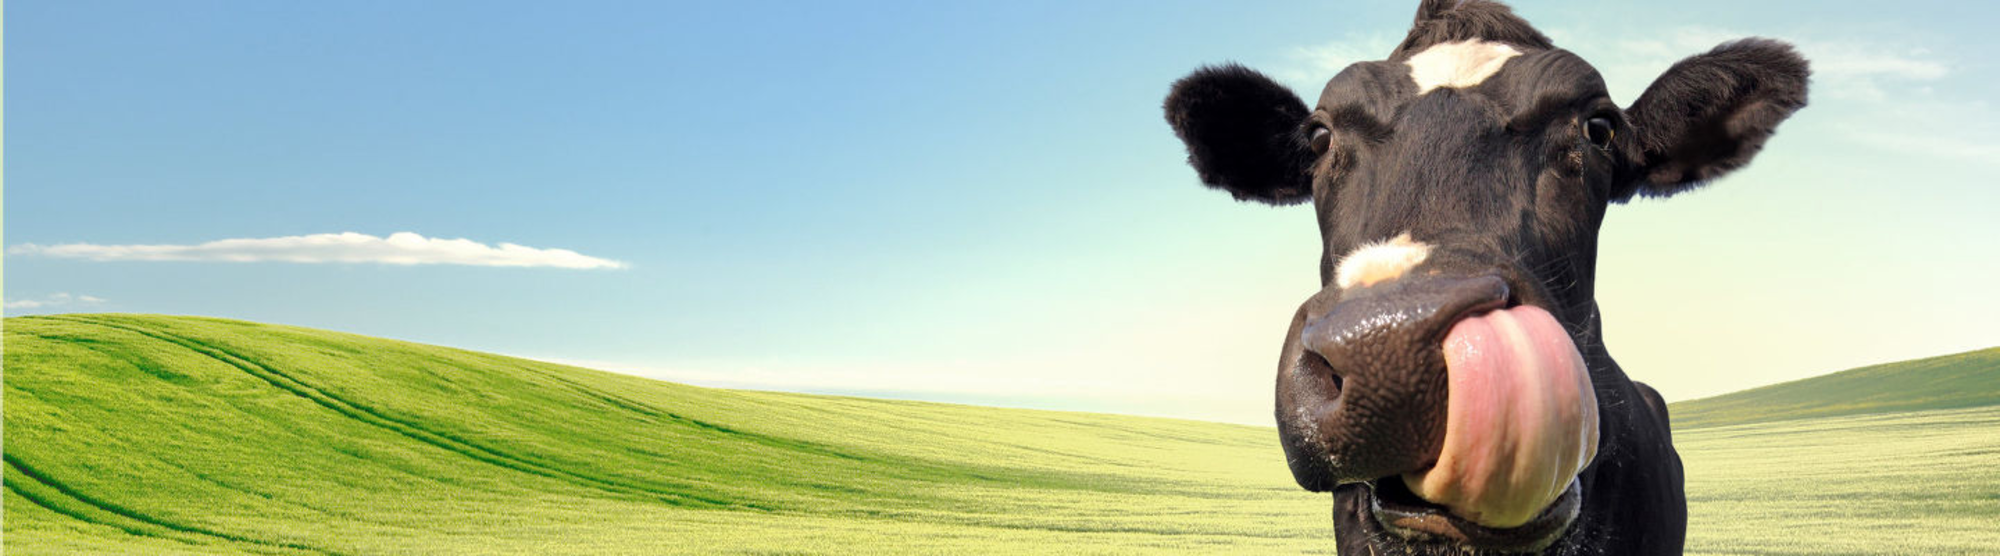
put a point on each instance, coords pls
(1381, 346)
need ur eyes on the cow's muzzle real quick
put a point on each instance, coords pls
(1470, 402)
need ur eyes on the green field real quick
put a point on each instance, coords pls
(1970, 379)
(165, 435)
(1924, 482)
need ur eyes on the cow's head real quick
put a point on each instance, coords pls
(1448, 382)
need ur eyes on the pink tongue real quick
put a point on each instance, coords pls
(1520, 423)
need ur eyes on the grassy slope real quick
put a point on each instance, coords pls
(1920, 482)
(163, 435)
(1968, 379)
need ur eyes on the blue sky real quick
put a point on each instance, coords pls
(954, 201)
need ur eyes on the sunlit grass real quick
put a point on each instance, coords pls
(156, 434)
(1924, 482)
(170, 435)
(1970, 379)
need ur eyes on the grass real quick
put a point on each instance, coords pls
(176, 435)
(159, 434)
(1921, 482)
(1970, 379)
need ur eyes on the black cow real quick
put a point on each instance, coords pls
(1448, 383)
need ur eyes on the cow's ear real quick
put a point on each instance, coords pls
(1709, 114)
(1244, 133)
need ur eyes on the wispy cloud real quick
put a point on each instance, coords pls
(53, 300)
(1964, 130)
(1305, 69)
(1881, 92)
(1842, 68)
(1853, 68)
(1884, 91)
(401, 248)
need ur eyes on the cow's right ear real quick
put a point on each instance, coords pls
(1709, 114)
(1244, 133)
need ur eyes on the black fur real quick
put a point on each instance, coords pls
(1442, 21)
(1709, 114)
(1503, 182)
(1242, 133)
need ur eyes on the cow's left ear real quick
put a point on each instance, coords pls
(1244, 133)
(1709, 114)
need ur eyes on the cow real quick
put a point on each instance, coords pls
(1449, 383)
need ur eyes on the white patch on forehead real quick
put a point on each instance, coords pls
(1458, 64)
(1380, 261)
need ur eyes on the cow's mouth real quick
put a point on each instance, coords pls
(1521, 420)
(1465, 417)
(1402, 514)
(1521, 425)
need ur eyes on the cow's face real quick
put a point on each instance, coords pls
(1447, 382)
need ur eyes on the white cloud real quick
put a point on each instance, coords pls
(1978, 152)
(1842, 69)
(1883, 92)
(1856, 61)
(53, 300)
(1307, 68)
(1884, 89)
(1936, 129)
(401, 248)
(1850, 69)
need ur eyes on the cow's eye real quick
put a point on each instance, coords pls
(1599, 131)
(1322, 139)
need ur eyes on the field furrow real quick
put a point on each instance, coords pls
(24, 479)
(416, 431)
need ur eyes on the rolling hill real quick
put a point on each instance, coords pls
(192, 435)
(180, 435)
(1970, 379)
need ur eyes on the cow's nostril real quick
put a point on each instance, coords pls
(1318, 365)
(1365, 395)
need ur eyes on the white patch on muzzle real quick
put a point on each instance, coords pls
(1380, 261)
(1458, 64)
